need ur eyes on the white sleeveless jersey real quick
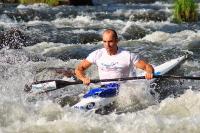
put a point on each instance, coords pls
(119, 65)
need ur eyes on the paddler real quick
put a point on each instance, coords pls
(112, 61)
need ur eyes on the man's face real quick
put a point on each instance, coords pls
(110, 43)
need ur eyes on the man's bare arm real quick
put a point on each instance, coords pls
(80, 71)
(146, 67)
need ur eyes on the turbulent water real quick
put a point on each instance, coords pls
(62, 36)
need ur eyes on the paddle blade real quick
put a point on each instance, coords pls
(48, 85)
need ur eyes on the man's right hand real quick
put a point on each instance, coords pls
(80, 71)
(86, 81)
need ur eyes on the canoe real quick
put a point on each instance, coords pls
(101, 97)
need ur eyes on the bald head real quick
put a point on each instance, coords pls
(112, 32)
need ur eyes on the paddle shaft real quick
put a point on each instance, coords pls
(176, 77)
(65, 83)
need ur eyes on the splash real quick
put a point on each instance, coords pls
(134, 96)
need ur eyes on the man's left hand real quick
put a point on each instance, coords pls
(148, 76)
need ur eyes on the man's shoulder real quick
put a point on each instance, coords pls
(97, 53)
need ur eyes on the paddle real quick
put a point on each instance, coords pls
(63, 83)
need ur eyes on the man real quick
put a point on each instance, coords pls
(112, 62)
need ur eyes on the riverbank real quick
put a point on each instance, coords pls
(78, 2)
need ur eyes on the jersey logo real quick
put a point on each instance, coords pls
(111, 66)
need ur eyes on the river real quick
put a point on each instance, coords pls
(62, 36)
